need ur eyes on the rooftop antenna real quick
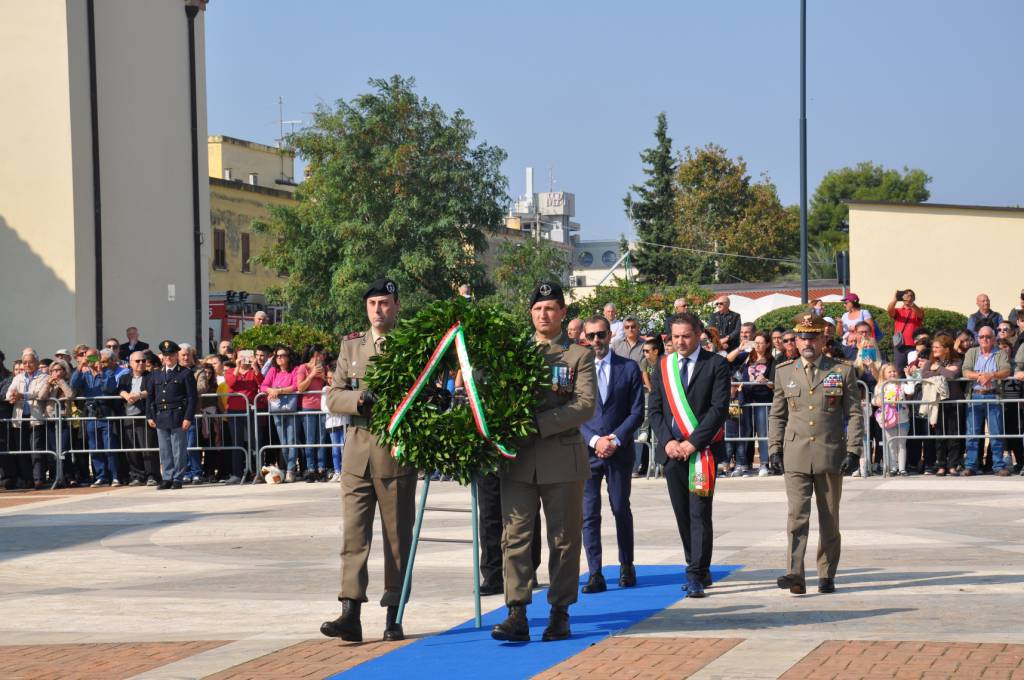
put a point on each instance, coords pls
(551, 178)
(281, 122)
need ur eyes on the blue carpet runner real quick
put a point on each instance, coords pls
(468, 652)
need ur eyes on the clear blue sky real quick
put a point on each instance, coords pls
(576, 86)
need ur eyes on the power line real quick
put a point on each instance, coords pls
(712, 252)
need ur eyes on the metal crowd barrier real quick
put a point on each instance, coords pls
(19, 437)
(962, 407)
(279, 420)
(116, 424)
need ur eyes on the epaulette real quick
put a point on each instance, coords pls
(354, 335)
(787, 362)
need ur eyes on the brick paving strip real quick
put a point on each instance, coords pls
(310, 659)
(843, 660)
(19, 497)
(642, 658)
(91, 661)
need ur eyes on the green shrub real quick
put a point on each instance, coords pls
(295, 335)
(934, 320)
(650, 304)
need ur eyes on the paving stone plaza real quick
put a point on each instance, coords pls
(233, 582)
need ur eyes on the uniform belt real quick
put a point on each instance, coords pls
(168, 406)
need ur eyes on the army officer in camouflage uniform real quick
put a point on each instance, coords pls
(814, 397)
(550, 469)
(370, 477)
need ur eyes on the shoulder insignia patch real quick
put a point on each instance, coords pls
(787, 362)
(354, 335)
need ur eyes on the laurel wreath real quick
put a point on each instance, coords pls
(435, 435)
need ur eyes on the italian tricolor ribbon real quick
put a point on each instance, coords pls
(702, 463)
(453, 335)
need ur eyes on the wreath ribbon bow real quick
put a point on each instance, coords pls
(454, 335)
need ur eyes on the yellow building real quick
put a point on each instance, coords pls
(245, 177)
(946, 253)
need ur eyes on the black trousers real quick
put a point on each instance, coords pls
(488, 501)
(236, 433)
(1012, 428)
(693, 519)
(142, 465)
(949, 453)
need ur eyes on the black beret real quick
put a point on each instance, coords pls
(381, 287)
(549, 290)
(169, 347)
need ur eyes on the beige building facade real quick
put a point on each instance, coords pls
(946, 253)
(86, 254)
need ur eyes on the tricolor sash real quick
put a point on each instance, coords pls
(702, 463)
(476, 406)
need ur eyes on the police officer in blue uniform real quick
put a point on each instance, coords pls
(172, 402)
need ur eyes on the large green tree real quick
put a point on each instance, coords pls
(653, 211)
(828, 220)
(730, 228)
(521, 265)
(394, 187)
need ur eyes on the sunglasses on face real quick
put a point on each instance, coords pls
(787, 341)
(282, 356)
(597, 335)
(719, 304)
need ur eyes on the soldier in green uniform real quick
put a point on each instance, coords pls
(550, 469)
(370, 477)
(814, 397)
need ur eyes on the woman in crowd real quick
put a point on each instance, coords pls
(335, 426)
(56, 393)
(187, 358)
(758, 372)
(853, 315)
(310, 378)
(280, 386)
(893, 418)
(209, 432)
(907, 317)
(1012, 392)
(945, 362)
(653, 350)
(964, 341)
(243, 378)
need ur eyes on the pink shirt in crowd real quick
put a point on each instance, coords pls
(310, 402)
(278, 378)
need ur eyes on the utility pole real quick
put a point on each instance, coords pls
(804, 296)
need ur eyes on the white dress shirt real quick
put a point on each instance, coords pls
(603, 367)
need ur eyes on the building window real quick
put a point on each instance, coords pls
(585, 259)
(227, 174)
(609, 257)
(254, 178)
(245, 254)
(220, 254)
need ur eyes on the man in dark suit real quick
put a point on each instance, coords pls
(143, 466)
(687, 412)
(171, 401)
(133, 344)
(609, 436)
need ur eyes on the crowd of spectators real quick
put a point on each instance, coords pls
(947, 402)
(88, 406)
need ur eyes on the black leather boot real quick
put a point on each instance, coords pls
(347, 626)
(558, 624)
(515, 628)
(393, 631)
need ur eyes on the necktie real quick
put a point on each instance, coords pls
(378, 343)
(810, 373)
(602, 380)
(684, 372)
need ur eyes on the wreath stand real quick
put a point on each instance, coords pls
(420, 510)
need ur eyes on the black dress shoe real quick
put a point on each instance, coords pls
(826, 585)
(164, 486)
(794, 584)
(515, 628)
(558, 625)
(347, 626)
(595, 584)
(694, 589)
(175, 485)
(393, 631)
(706, 581)
(492, 588)
(627, 576)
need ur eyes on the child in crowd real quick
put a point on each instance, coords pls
(893, 417)
(335, 425)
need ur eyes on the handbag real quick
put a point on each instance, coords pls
(286, 403)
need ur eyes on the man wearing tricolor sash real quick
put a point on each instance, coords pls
(689, 403)
(549, 471)
(370, 478)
